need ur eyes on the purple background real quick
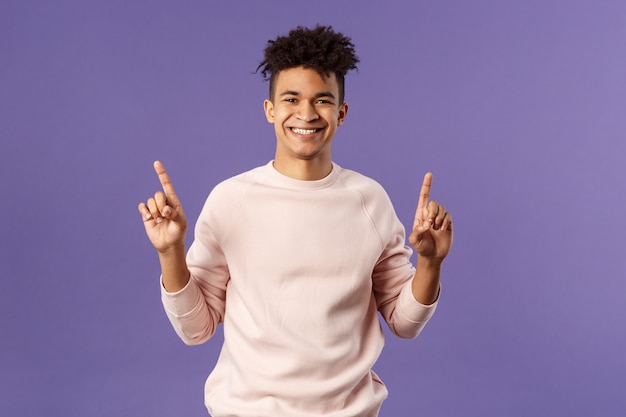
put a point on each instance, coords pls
(518, 107)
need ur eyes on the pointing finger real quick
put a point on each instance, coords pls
(422, 203)
(166, 183)
(425, 191)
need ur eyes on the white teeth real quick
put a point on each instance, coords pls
(304, 131)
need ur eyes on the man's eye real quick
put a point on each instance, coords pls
(290, 100)
(323, 102)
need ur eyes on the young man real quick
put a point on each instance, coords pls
(297, 257)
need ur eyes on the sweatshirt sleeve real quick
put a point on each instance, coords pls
(393, 275)
(197, 309)
(410, 316)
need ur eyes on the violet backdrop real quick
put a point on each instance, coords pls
(518, 107)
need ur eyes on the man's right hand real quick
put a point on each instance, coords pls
(163, 216)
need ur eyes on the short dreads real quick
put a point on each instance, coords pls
(320, 49)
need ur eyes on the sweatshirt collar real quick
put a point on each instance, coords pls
(289, 182)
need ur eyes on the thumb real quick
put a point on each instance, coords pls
(169, 213)
(418, 232)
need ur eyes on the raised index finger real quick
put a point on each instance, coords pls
(166, 183)
(425, 191)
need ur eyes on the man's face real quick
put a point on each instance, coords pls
(305, 111)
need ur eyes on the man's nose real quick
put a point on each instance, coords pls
(306, 112)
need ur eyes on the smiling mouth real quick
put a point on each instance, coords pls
(303, 131)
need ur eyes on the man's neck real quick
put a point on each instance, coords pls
(305, 170)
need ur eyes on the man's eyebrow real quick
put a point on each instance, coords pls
(325, 94)
(290, 93)
(297, 93)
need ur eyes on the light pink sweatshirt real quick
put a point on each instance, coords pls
(297, 271)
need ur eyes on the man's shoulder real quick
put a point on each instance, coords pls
(358, 181)
(235, 187)
(243, 179)
(373, 195)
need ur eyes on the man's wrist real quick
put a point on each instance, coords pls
(174, 251)
(429, 263)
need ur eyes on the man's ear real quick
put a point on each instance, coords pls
(268, 107)
(343, 112)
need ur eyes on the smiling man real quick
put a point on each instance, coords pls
(297, 257)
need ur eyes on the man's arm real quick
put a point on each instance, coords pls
(193, 317)
(432, 239)
(166, 226)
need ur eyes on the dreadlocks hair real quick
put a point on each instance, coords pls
(321, 49)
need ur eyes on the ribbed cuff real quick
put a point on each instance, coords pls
(412, 309)
(182, 302)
